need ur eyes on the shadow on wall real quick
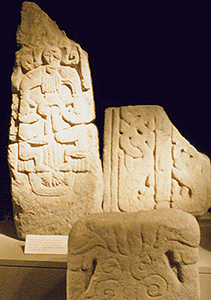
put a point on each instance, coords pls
(206, 238)
(58, 292)
(7, 227)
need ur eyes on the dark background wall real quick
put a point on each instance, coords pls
(138, 55)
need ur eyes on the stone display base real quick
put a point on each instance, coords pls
(44, 276)
(29, 277)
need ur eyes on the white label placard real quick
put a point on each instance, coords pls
(46, 244)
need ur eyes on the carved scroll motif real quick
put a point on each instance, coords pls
(134, 256)
(133, 158)
(190, 176)
(136, 158)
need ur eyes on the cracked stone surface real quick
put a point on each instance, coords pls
(134, 256)
(56, 172)
(148, 164)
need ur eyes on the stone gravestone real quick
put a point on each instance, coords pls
(148, 164)
(56, 173)
(134, 256)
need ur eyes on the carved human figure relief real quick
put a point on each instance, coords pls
(53, 143)
(148, 164)
(134, 256)
(52, 130)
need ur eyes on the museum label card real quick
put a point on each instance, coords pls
(46, 244)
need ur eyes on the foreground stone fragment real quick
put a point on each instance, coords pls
(54, 160)
(148, 164)
(134, 256)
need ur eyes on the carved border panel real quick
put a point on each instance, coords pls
(148, 164)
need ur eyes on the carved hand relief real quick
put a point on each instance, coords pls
(134, 256)
(52, 137)
(148, 164)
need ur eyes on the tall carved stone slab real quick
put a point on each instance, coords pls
(54, 160)
(148, 164)
(134, 256)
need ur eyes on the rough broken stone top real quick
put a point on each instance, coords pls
(53, 149)
(148, 164)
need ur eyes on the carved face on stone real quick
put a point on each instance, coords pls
(52, 56)
(27, 62)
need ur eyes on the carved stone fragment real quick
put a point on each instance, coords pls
(54, 160)
(148, 164)
(134, 256)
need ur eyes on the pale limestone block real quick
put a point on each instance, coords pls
(148, 164)
(162, 154)
(129, 256)
(129, 142)
(190, 176)
(56, 172)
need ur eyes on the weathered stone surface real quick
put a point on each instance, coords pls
(134, 256)
(148, 164)
(54, 160)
